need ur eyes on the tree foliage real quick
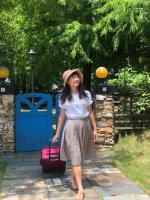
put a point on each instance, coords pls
(68, 33)
(128, 80)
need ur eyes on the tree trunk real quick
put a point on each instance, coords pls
(87, 76)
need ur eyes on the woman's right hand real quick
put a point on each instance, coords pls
(55, 138)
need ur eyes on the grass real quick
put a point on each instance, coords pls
(2, 171)
(132, 157)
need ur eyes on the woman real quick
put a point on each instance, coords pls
(80, 128)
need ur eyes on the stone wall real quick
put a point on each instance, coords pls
(7, 133)
(104, 120)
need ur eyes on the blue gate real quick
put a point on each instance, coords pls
(33, 121)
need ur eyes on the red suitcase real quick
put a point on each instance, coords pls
(50, 159)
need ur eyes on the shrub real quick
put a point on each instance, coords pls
(128, 80)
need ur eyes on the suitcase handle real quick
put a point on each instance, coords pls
(51, 144)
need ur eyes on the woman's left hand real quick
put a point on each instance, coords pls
(94, 135)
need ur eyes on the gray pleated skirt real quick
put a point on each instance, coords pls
(77, 143)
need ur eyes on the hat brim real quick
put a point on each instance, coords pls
(71, 72)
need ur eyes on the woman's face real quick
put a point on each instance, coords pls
(74, 80)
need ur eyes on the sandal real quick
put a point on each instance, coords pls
(80, 195)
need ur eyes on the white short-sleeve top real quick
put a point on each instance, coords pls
(77, 108)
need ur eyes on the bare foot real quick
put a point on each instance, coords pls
(80, 195)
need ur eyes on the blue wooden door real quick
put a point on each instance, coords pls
(33, 121)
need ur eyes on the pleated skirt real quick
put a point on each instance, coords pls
(77, 142)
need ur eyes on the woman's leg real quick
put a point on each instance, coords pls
(77, 172)
(73, 180)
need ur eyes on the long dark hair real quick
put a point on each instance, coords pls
(66, 92)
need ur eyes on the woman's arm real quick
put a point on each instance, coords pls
(60, 124)
(93, 122)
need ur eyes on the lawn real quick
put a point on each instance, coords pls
(2, 171)
(132, 156)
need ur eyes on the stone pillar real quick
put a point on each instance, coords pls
(7, 132)
(104, 120)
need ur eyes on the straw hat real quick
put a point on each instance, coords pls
(69, 72)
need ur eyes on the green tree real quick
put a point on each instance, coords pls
(128, 80)
(87, 31)
(68, 33)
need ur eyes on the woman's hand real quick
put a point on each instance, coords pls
(93, 122)
(94, 135)
(55, 138)
(59, 125)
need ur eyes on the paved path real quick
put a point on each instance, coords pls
(24, 181)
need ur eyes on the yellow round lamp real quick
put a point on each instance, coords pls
(101, 72)
(4, 72)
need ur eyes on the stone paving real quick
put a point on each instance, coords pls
(24, 180)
